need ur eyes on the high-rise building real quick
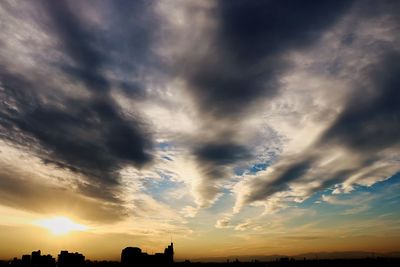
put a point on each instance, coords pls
(134, 257)
(67, 259)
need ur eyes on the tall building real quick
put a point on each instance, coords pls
(26, 260)
(39, 260)
(169, 254)
(35, 258)
(67, 259)
(134, 257)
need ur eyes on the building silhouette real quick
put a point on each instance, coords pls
(26, 260)
(134, 257)
(36, 259)
(67, 259)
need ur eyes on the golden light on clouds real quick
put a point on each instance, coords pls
(61, 225)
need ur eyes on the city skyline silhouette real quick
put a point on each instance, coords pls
(134, 256)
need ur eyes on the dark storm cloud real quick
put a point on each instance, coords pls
(371, 120)
(368, 125)
(222, 153)
(244, 62)
(121, 43)
(214, 158)
(89, 135)
(92, 136)
(245, 58)
(78, 43)
(263, 189)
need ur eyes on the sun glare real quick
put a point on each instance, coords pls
(61, 225)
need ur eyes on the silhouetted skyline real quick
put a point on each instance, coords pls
(130, 257)
(135, 257)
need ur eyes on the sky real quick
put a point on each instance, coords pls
(230, 127)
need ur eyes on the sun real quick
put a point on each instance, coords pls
(61, 225)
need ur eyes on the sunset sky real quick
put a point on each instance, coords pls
(232, 127)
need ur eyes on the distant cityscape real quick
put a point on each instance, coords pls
(130, 256)
(135, 257)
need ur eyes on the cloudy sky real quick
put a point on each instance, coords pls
(233, 127)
